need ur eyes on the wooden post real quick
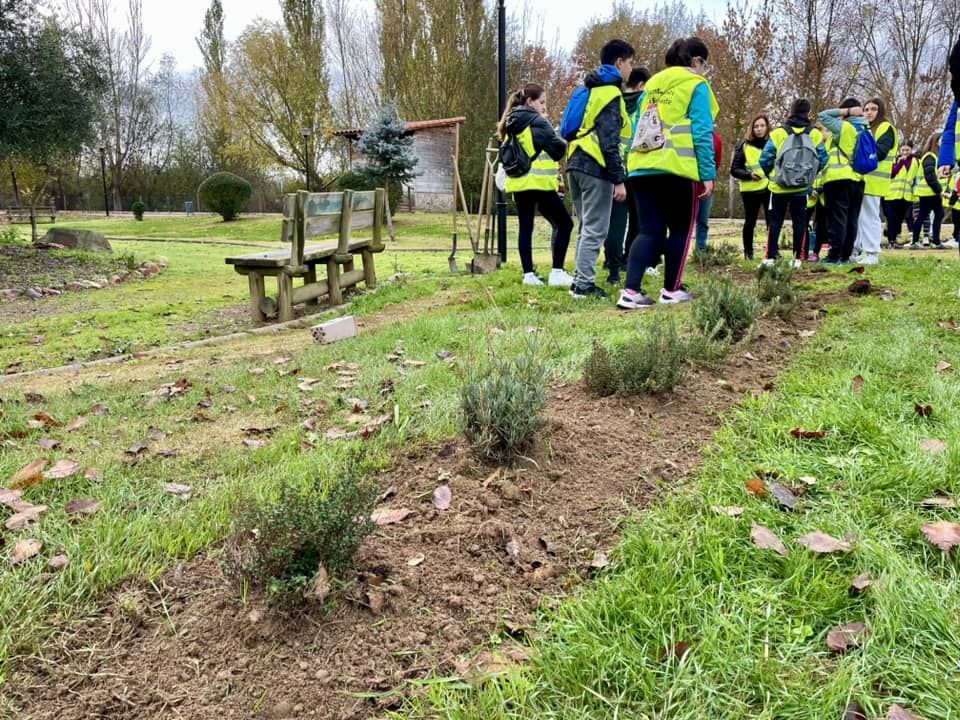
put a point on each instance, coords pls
(346, 216)
(285, 299)
(379, 205)
(333, 281)
(257, 294)
(299, 232)
(311, 279)
(369, 274)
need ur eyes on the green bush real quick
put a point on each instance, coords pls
(724, 311)
(226, 194)
(502, 405)
(775, 286)
(138, 209)
(714, 257)
(278, 545)
(358, 180)
(653, 362)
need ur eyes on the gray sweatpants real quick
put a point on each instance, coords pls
(593, 201)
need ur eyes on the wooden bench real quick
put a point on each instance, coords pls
(20, 214)
(307, 216)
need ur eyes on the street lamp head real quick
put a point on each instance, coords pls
(306, 132)
(102, 150)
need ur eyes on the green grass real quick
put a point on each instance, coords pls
(757, 622)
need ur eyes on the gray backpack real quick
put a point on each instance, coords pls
(797, 163)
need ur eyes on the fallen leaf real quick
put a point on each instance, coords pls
(599, 560)
(857, 384)
(950, 324)
(11, 498)
(844, 637)
(33, 398)
(83, 507)
(442, 497)
(943, 366)
(201, 416)
(21, 518)
(24, 550)
(181, 491)
(416, 559)
(251, 442)
(283, 361)
(861, 582)
(76, 424)
(389, 492)
(888, 295)
(757, 488)
(933, 446)
(306, 384)
(205, 403)
(445, 355)
(765, 539)
(923, 410)
(62, 469)
(730, 511)
(678, 651)
(92, 473)
(281, 407)
(807, 333)
(58, 562)
(938, 502)
(389, 516)
(808, 434)
(783, 496)
(99, 409)
(48, 443)
(807, 480)
(136, 448)
(320, 587)
(944, 534)
(854, 712)
(356, 419)
(898, 713)
(376, 601)
(859, 270)
(47, 420)
(156, 434)
(30, 474)
(821, 543)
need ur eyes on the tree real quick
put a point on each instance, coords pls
(388, 148)
(355, 61)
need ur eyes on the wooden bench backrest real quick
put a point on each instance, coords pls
(310, 215)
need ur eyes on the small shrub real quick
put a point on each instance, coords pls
(10, 236)
(226, 194)
(138, 208)
(502, 406)
(278, 545)
(714, 257)
(775, 286)
(724, 310)
(653, 362)
(599, 372)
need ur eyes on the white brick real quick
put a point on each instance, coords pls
(337, 329)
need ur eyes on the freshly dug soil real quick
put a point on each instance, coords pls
(23, 267)
(430, 590)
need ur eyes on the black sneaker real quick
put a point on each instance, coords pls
(587, 291)
(614, 278)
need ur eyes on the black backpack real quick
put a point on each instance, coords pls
(513, 158)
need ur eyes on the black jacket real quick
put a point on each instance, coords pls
(885, 143)
(544, 137)
(738, 165)
(929, 168)
(608, 127)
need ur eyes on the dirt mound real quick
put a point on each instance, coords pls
(430, 589)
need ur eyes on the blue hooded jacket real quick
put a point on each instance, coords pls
(607, 127)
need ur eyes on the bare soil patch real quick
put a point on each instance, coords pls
(429, 590)
(23, 267)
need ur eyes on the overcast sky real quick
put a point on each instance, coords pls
(174, 24)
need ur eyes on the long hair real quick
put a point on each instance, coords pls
(931, 141)
(530, 91)
(881, 111)
(750, 135)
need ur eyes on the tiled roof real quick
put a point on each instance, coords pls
(411, 127)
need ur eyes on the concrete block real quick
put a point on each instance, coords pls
(339, 328)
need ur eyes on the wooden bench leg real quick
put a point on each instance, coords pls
(285, 286)
(309, 279)
(369, 274)
(257, 294)
(333, 281)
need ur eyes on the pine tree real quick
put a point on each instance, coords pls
(389, 149)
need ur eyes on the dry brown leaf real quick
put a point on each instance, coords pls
(766, 539)
(58, 562)
(156, 434)
(807, 480)
(599, 560)
(821, 543)
(783, 495)
(389, 516)
(24, 550)
(861, 582)
(943, 366)
(320, 588)
(729, 510)
(92, 473)
(26, 514)
(854, 711)
(99, 409)
(944, 534)
(442, 497)
(30, 474)
(34, 398)
(857, 384)
(844, 637)
(757, 487)
(933, 446)
(808, 434)
(11, 498)
(62, 469)
(898, 713)
(677, 651)
(181, 491)
(251, 442)
(923, 410)
(938, 502)
(83, 506)
(48, 443)
(76, 423)
(136, 448)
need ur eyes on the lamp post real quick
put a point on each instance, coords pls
(502, 103)
(103, 176)
(306, 132)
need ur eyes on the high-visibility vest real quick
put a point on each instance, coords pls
(672, 90)
(587, 139)
(543, 168)
(752, 154)
(779, 137)
(878, 181)
(921, 188)
(951, 188)
(901, 184)
(816, 197)
(841, 151)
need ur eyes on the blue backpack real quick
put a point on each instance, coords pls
(572, 119)
(864, 160)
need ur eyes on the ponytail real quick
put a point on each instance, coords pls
(530, 91)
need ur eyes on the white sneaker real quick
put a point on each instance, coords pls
(559, 278)
(868, 259)
(767, 262)
(531, 279)
(951, 243)
(796, 264)
(653, 271)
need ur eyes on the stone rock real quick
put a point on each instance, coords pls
(33, 294)
(73, 286)
(77, 240)
(51, 291)
(149, 268)
(89, 284)
(115, 279)
(10, 294)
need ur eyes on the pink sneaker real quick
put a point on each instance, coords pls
(677, 296)
(813, 257)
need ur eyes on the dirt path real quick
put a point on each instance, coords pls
(429, 591)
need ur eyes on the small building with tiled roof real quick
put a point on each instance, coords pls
(436, 144)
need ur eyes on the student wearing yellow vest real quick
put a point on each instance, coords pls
(754, 190)
(876, 183)
(816, 212)
(899, 198)
(842, 185)
(525, 117)
(951, 199)
(792, 198)
(928, 190)
(950, 147)
(671, 153)
(595, 169)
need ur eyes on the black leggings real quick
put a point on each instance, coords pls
(898, 211)
(796, 203)
(753, 202)
(930, 204)
(555, 212)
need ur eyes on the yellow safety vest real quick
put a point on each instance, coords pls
(921, 188)
(818, 189)
(901, 184)
(779, 137)
(878, 182)
(672, 90)
(543, 168)
(840, 151)
(752, 154)
(951, 188)
(587, 139)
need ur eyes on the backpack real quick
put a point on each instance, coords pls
(864, 160)
(513, 158)
(649, 132)
(573, 113)
(797, 163)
